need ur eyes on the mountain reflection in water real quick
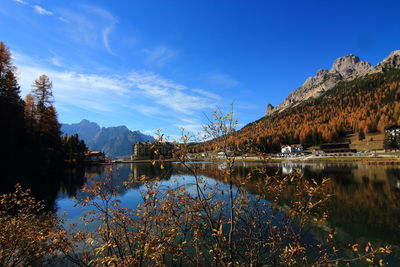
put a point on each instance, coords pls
(365, 206)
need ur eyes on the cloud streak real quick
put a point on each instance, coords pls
(41, 11)
(169, 94)
(146, 92)
(106, 36)
(63, 19)
(91, 25)
(221, 80)
(56, 61)
(21, 2)
(160, 55)
(107, 19)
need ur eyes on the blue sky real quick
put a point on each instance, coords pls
(164, 64)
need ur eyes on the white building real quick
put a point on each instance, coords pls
(223, 155)
(292, 149)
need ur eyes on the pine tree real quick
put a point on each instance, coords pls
(9, 88)
(43, 96)
(47, 127)
(12, 134)
(361, 134)
(30, 111)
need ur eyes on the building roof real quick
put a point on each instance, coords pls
(294, 145)
(392, 127)
(95, 153)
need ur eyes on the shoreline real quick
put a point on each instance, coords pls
(390, 160)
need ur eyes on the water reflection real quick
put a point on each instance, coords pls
(47, 185)
(365, 206)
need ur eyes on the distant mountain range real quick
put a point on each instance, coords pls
(114, 141)
(346, 68)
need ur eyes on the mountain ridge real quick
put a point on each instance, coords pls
(345, 68)
(115, 141)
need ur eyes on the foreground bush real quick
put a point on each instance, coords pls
(195, 224)
(27, 235)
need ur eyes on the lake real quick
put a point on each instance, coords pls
(365, 206)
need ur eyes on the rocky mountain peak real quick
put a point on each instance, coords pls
(349, 65)
(391, 61)
(114, 141)
(269, 110)
(344, 68)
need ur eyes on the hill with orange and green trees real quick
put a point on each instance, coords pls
(365, 102)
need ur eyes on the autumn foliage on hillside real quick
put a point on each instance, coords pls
(369, 103)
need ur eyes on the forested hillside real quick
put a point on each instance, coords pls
(365, 104)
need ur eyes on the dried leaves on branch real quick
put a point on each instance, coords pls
(198, 223)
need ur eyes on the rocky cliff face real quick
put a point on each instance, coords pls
(269, 110)
(345, 68)
(391, 62)
(85, 129)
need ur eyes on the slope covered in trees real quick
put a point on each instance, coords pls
(365, 104)
(370, 104)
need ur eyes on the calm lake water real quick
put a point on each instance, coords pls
(365, 206)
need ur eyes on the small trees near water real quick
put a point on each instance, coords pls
(202, 224)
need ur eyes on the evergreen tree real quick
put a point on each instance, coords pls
(47, 127)
(30, 111)
(12, 134)
(361, 134)
(9, 89)
(74, 148)
(43, 96)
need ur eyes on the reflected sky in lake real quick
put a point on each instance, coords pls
(365, 206)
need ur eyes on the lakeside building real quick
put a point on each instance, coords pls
(291, 150)
(152, 150)
(393, 130)
(392, 138)
(223, 155)
(97, 156)
(336, 148)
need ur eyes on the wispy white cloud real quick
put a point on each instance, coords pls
(40, 10)
(110, 21)
(56, 61)
(99, 12)
(169, 94)
(87, 91)
(81, 29)
(63, 19)
(106, 35)
(207, 94)
(21, 2)
(160, 55)
(91, 25)
(195, 129)
(148, 93)
(222, 80)
(192, 125)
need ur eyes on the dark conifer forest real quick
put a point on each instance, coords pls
(32, 148)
